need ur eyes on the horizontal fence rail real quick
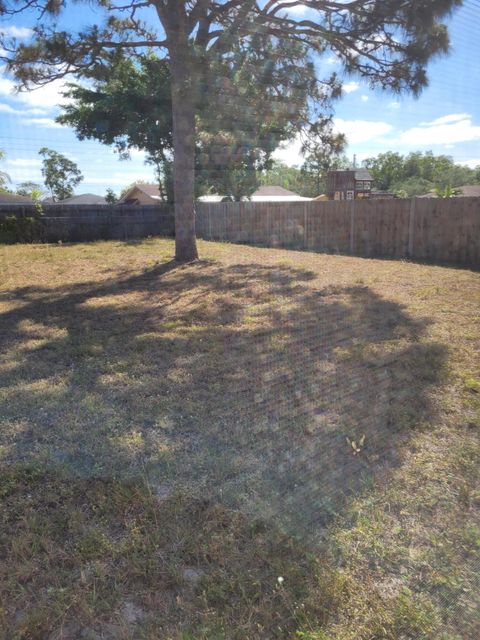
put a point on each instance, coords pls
(438, 229)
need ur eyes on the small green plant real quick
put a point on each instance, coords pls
(472, 385)
(447, 192)
(15, 230)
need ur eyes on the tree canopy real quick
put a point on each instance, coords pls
(388, 43)
(111, 196)
(4, 177)
(60, 174)
(405, 175)
(257, 99)
(418, 173)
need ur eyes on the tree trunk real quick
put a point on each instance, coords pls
(183, 105)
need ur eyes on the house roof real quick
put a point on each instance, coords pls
(273, 193)
(360, 173)
(150, 190)
(272, 190)
(84, 198)
(13, 198)
(363, 174)
(468, 190)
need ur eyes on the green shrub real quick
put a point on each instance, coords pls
(20, 230)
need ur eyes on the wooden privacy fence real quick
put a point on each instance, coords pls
(439, 229)
(78, 223)
(442, 230)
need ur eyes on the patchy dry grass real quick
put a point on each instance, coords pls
(173, 439)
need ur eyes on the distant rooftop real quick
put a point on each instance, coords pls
(151, 190)
(273, 191)
(361, 173)
(468, 191)
(84, 198)
(13, 198)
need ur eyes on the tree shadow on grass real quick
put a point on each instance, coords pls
(249, 383)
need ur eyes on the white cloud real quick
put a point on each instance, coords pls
(24, 162)
(7, 87)
(473, 163)
(46, 97)
(298, 10)
(137, 153)
(6, 108)
(394, 105)
(119, 179)
(449, 129)
(449, 119)
(332, 60)
(43, 123)
(290, 154)
(349, 87)
(15, 32)
(364, 98)
(358, 131)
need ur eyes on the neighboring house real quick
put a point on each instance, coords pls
(13, 198)
(467, 191)
(349, 184)
(142, 194)
(275, 194)
(83, 198)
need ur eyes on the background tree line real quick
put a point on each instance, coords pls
(418, 173)
(409, 175)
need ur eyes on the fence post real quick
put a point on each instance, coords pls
(268, 235)
(305, 225)
(352, 226)
(411, 227)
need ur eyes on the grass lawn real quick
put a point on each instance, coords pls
(264, 444)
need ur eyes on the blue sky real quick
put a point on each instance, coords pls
(445, 119)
